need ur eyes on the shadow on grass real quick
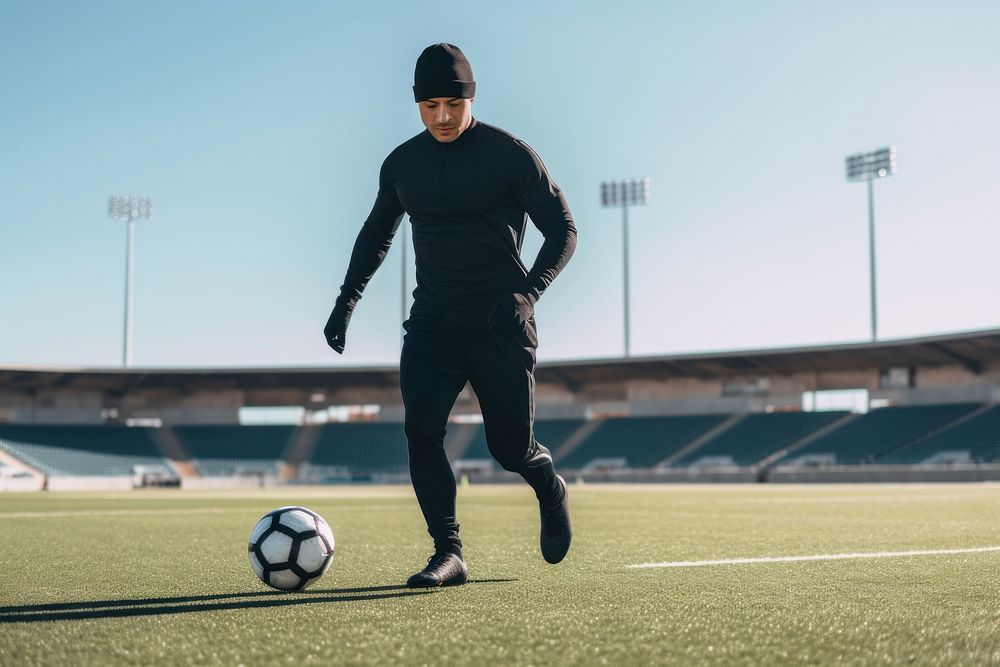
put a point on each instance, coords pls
(68, 611)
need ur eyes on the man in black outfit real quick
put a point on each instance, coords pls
(468, 188)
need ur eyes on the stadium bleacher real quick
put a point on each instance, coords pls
(83, 450)
(976, 440)
(221, 450)
(878, 432)
(363, 448)
(909, 435)
(756, 436)
(477, 448)
(639, 442)
(549, 432)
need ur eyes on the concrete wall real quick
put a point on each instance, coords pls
(22, 483)
(208, 406)
(648, 396)
(53, 406)
(853, 474)
(89, 484)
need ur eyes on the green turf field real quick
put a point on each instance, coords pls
(162, 576)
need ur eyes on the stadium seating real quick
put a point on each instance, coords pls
(362, 447)
(756, 436)
(878, 432)
(86, 450)
(549, 432)
(221, 450)
(978, 437)
(641, 442)
(952, 433)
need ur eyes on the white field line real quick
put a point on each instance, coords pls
(149, 512)
(822, 500)
(110, 512)
(795, 559)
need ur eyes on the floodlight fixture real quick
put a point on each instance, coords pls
(632, 192)
(867, 167)
(625, 193)
(129, 209)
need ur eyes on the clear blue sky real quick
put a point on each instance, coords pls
(260, 126)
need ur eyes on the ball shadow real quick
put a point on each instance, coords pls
(68, 611)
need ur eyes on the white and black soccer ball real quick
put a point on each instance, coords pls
(290, 548)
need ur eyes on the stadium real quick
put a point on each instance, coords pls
(735, 417)
(763, 379)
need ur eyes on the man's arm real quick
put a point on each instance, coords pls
(370, 249)
(545, 204)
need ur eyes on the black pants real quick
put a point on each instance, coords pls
(437, 360)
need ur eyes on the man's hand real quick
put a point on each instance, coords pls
(335, 330)
(510, 314)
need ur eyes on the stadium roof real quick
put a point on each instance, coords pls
(971, 350)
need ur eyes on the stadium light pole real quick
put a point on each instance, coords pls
(634, 192)
(867, 167)
(129, 209)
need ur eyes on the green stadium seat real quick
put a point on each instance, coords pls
(640, 442)
(81, 450)
(978, 437)
(757, 436)
(226, 449)
(549, 432)
(879, 432)
(362, 447)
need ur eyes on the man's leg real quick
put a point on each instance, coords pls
(503, 379)
(432, 373)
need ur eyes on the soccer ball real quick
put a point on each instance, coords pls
(290, 548)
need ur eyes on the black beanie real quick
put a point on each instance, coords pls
(443, 71)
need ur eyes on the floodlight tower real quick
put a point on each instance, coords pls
(868, 167)
(129, 209)
(634, 192)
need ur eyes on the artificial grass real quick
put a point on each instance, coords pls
(162, 576)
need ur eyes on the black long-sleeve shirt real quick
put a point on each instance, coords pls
(467, 201)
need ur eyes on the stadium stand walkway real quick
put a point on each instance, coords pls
(82, 451)
(476, 449)
(9, 461)
(707, 436)
(578, 437)
(550, 432)
(755, 437)
(458, 438)
(639, 442)
(362, 448)
(223, 450)
(301, 445)
(173, 450)
(771, 460)
(864, 439)
(974, 439)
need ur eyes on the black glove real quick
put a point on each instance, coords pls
(510, 314)
(335, 330)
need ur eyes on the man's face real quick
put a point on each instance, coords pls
(446, 117)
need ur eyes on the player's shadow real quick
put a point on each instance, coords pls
(68, 611)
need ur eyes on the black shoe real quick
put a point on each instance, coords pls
(443, 569)
(556, 532)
